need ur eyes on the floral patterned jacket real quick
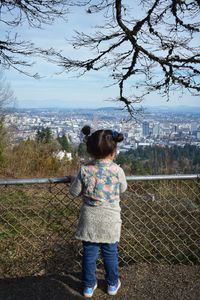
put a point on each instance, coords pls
(100, 182)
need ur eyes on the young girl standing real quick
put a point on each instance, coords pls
(100, 182)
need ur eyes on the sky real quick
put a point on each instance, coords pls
(55, 89)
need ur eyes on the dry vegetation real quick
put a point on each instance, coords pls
(38, 223)
(34, 159)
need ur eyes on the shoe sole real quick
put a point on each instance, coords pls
(115, 293)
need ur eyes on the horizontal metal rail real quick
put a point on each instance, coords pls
(164, 177)
(67, 179)
(34, 181)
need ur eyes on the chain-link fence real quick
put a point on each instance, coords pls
(38, 217)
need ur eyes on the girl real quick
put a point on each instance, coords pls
(100, 182)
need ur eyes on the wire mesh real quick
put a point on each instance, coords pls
(160, 223)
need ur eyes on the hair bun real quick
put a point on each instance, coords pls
(86, 130)
(117, 137)
(120, 137)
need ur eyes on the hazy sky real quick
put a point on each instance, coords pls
(66, 90)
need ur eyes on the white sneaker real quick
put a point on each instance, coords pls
(113, 289)
(88, 291)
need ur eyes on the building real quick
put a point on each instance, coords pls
(193, 127)
(63, 154)
(145, 128)
(156, 129)
(198, 135)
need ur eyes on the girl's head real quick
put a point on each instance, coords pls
(101, 143)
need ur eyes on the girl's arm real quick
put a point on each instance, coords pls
(122, 180)
(76, 186)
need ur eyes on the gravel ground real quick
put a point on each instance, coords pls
(139, 282)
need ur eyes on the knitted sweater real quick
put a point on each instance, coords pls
(100, 182)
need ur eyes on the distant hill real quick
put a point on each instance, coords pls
(180, 109)
(168, 109)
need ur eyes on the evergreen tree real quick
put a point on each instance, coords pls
(137, 168)
(157, 160)
(65, 144)
(2, 142)
(123, 159)
(82, 150)
(44, 135)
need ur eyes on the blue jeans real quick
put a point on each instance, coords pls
(110, 259)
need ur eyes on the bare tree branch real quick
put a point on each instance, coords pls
(16, 53)
(157, 51)
(7, 97)
(152, 48)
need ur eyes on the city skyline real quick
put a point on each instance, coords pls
(162, 127)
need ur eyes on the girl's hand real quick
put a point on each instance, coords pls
(71, 178)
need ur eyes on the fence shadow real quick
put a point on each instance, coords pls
(141, 281)
(63, 257)
(53, 287)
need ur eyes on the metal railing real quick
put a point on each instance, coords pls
(38, 217)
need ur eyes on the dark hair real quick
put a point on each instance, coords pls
(101, 143)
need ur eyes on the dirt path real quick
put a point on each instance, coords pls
(139, 282)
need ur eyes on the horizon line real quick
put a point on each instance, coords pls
(105, 107)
